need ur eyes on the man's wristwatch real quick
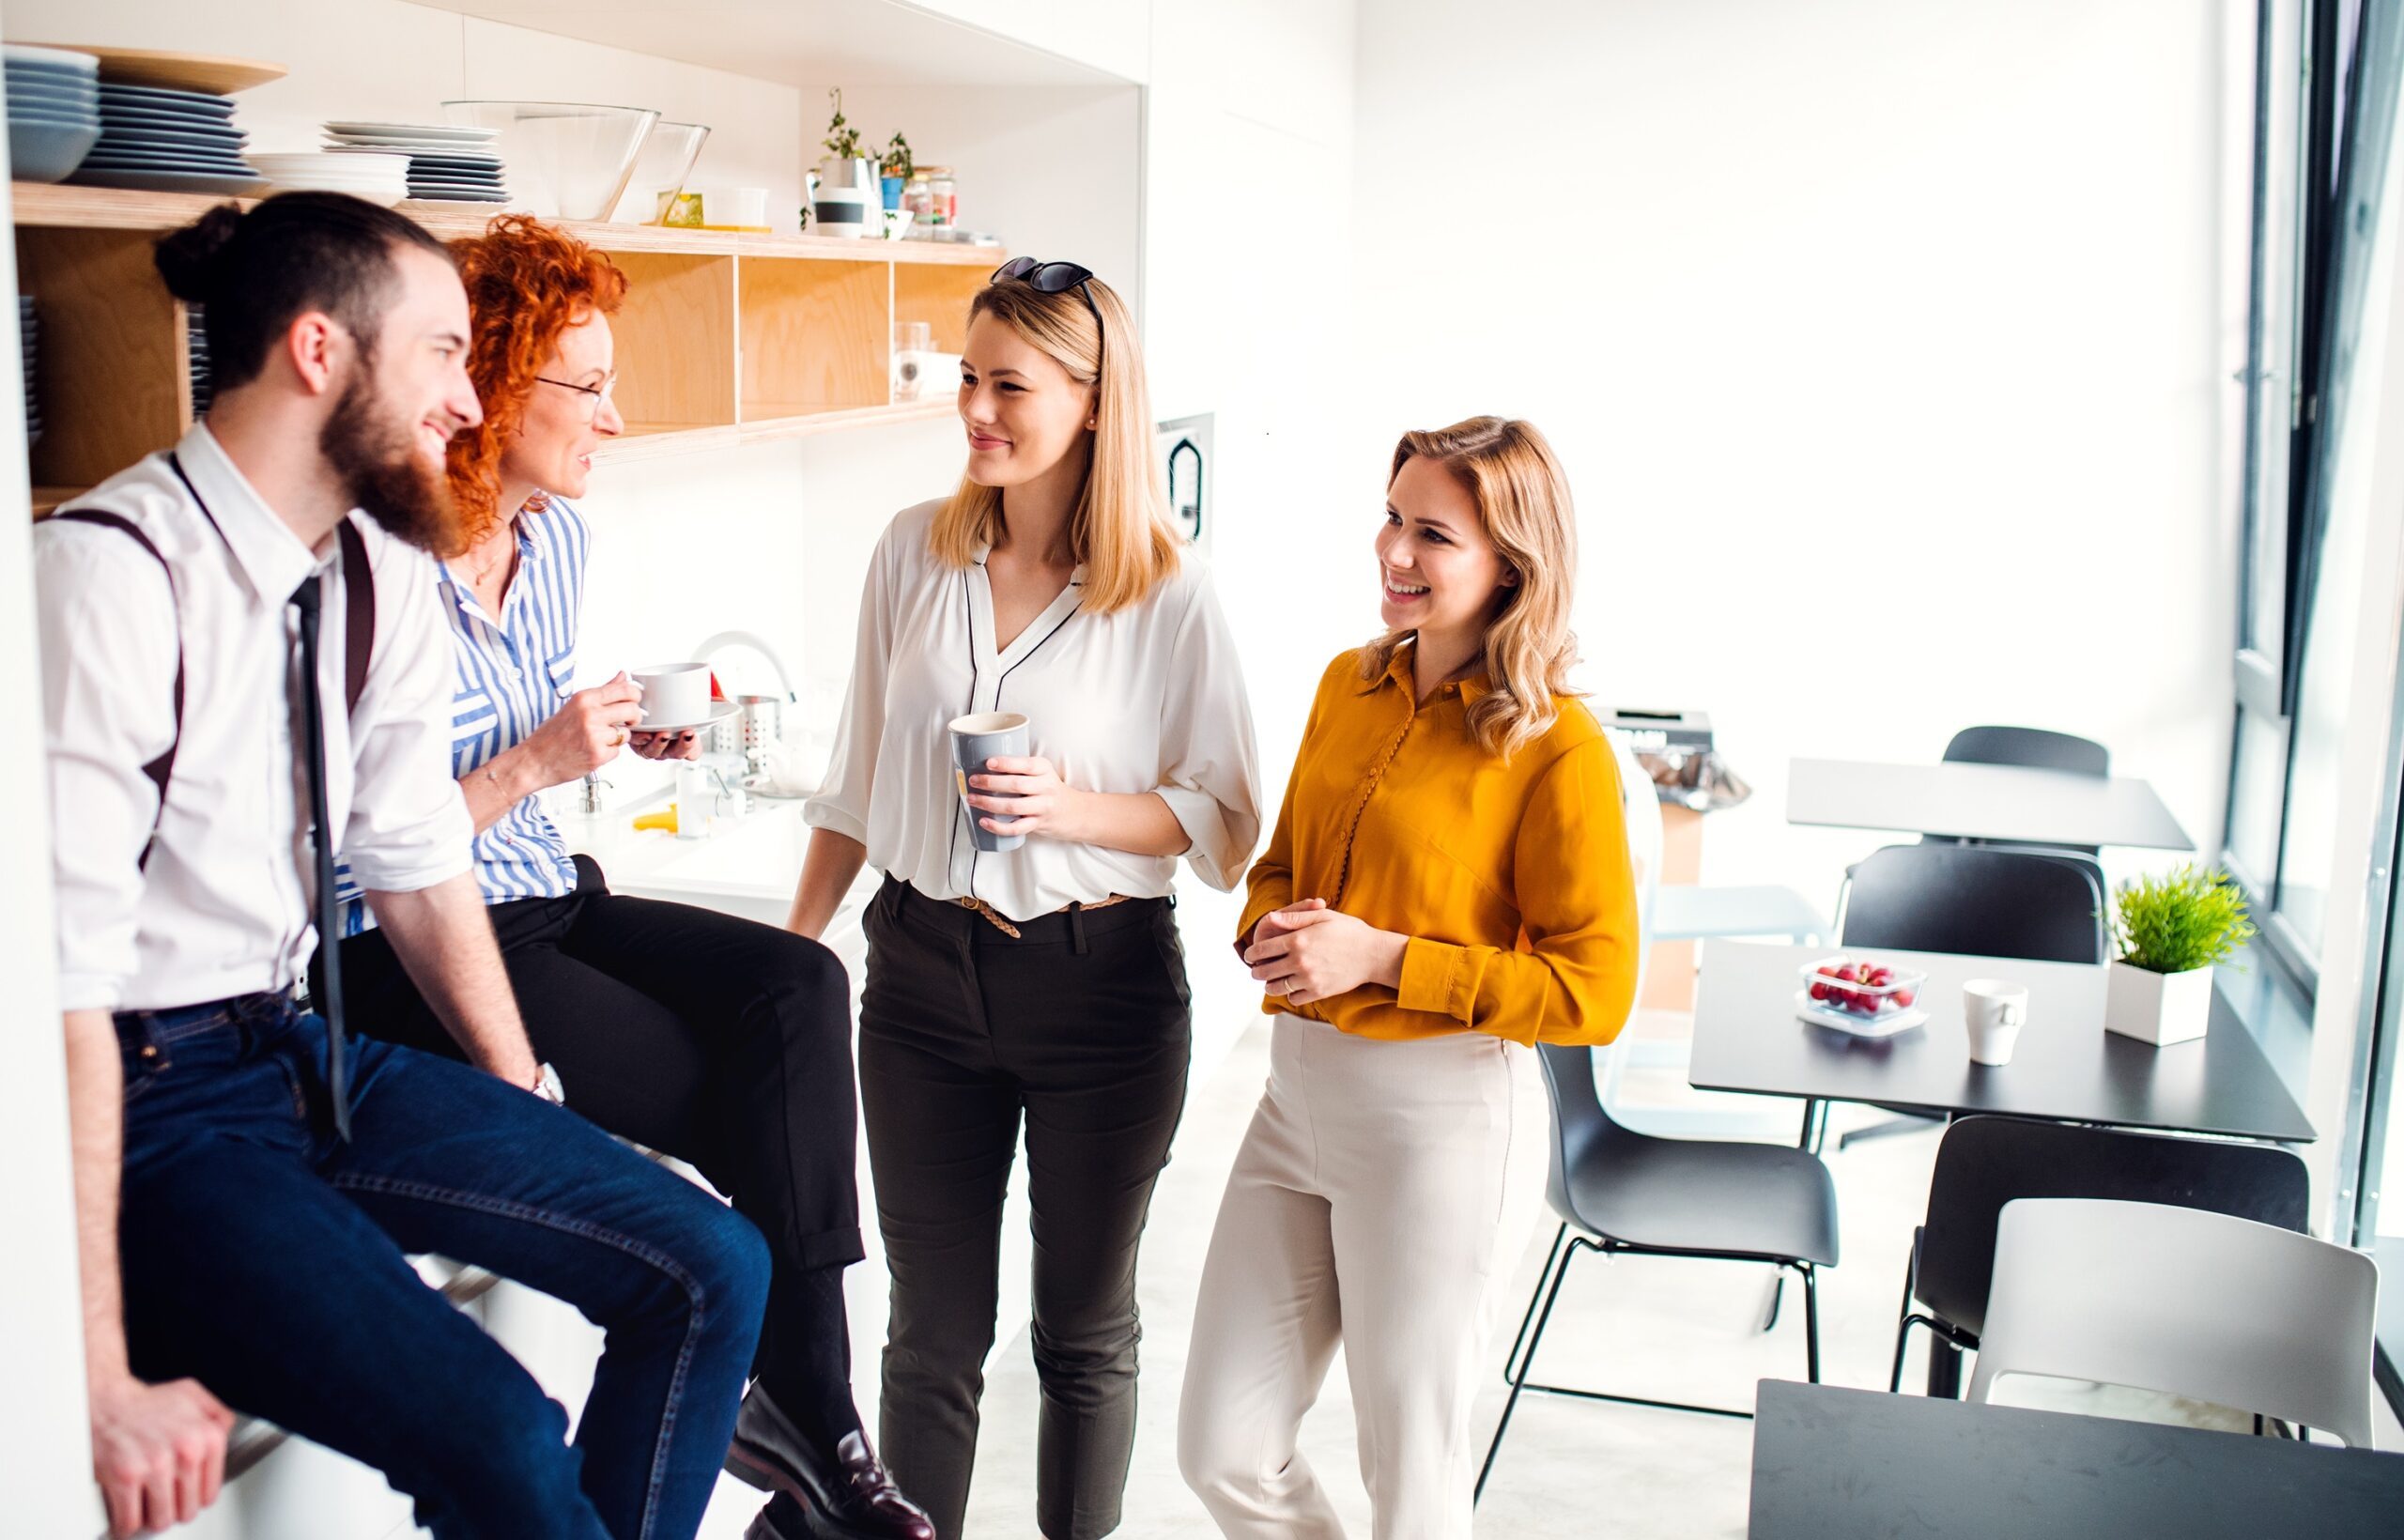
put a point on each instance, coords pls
(547, 1086)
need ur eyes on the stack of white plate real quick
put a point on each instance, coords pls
(202, 380)
(445, 165)
(168, 139)
(382, 180)
(54, 110)
(28, 344)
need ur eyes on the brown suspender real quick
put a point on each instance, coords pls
(359, 627)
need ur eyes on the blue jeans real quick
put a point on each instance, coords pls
(266, 1260)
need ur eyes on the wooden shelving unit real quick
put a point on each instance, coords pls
(725, 338)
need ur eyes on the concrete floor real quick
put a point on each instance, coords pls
(1668, 1328)
(1686, 1330)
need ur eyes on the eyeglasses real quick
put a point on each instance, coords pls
(594, 394)
(1053, 277)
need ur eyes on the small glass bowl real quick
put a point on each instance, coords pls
(1852, 1002)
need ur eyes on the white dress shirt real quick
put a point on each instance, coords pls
(1150, 699)
(223, 906)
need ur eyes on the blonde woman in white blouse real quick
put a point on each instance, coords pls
(1044, 983)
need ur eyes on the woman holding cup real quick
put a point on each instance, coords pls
(721, 1042)
(1048, 607)
(1448, 885)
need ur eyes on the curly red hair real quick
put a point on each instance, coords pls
(527, 282)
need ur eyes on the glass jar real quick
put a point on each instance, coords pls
(918, 195)
(943, 198)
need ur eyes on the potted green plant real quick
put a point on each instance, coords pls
(843, 141)
(896, 168)
(2170, 932)
(842, 192)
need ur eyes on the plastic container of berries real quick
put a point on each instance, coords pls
(1861, 996)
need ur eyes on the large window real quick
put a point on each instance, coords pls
(2326, 83)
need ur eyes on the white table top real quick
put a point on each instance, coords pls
(2003, 802)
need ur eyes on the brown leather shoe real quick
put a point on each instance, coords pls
(843, 1494)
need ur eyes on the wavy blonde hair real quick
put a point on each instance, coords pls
(1523, 500)
(1120, 526)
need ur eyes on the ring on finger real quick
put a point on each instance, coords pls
(624, 737)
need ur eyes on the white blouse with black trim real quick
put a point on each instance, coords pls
(1151, 699)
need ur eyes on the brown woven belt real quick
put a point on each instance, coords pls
(1001, 923)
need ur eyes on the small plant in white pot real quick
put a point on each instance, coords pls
(2171, 930)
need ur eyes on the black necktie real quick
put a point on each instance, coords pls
(307, 599)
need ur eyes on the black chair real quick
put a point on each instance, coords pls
(1633, 1195)
(1974, 899)
(1987, 1162)
(2035, 747)
(1987, 900)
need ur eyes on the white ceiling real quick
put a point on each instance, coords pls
(796, 42)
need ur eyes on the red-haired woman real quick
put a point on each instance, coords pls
(715, 1040)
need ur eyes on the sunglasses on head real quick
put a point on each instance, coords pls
(1050, 278)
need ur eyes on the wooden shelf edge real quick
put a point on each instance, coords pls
(657, 443)
(811, 425)
(40, 204)
(661, 443)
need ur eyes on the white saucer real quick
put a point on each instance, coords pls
(1893, 1024)
(722, 711)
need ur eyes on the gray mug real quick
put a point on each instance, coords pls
(986, 736)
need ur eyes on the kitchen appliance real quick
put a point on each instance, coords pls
(1183, 444)
(759, 723)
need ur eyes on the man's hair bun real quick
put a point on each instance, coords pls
(192, 259)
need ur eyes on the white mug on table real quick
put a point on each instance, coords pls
(1993, 1012)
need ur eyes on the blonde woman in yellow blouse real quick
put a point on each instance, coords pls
(1448, 885)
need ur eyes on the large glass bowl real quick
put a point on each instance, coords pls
(564, 160)
(666, 160)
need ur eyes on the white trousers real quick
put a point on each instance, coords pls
(1380, 1198)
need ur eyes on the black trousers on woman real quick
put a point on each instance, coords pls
(1080, 1025)
(723, 1042)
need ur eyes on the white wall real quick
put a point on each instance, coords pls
(1247, 252)
(1107, 35)
(1880, 339)
(45, 1456)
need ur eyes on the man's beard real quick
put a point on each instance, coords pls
(376, 456)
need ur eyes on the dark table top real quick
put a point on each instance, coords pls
(1832, 1464)
(1981, 802)
(2066, 1067)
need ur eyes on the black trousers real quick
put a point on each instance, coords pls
(1081, 1027)
(723, 1042)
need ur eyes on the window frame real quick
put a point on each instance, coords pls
(2357, 86)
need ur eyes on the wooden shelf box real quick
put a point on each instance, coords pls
(724, 338)
(817, 336)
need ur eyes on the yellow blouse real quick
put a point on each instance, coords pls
(1511, 878)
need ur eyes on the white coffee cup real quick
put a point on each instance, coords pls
(1994, 1011)
(673, 694)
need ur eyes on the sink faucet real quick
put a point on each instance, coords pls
(714, 644)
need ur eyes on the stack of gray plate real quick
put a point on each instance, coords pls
(446, 164)
(54, 110)
(196, 333)
(28, 340)
(168, 141)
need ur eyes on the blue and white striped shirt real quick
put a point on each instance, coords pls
(512, 675)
